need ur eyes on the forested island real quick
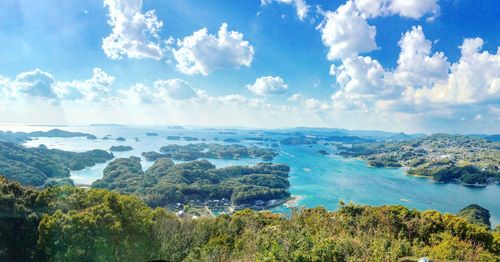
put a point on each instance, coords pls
(120, 148)
(166, 183)
(469, 160)
(19, 137)
(72, 224)
(214, 151)
(41, 166)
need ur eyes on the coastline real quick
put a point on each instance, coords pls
(406, 168)
(293, 201)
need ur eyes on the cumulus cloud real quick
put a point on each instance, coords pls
(416, 66)
(203, 53)
(424, 86)
(361, 80)
(162, 91)
(475, 78)
(300, 5)
(134, 34)
(36, 83)
(346, 33)
(406, 8)
(176, 89)
(268, 85)
(42, 85)
(96, 88)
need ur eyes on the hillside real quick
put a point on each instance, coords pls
(445, 158)
(41, 166)
(70, 224)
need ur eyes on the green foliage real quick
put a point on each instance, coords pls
(70, 224)
(476, 214)
(445, 158)
(120, 148)
(214, 151)
(37, 166)
(165, 183)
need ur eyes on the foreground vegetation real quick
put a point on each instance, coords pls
(166, 183)
(41, 166)
(71, 224)
(469, 160)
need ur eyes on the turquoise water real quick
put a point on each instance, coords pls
(316, 179)
(325, 180)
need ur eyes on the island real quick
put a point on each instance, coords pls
(298, 140)
(216, 151)
(57, 133)
(121, 139)
(42, 166)
(166, 183)
(471, 161)
(20, 137)
(152, 155)
(120, 148)
(151, 134)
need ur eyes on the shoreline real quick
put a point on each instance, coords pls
(406, 168)
(293, 201)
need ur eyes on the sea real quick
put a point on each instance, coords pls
(316, 179)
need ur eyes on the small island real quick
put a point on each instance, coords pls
(151, 134)
(216, 151)
(152, 155)
(121, 139)
(298, 140)
(120, 148)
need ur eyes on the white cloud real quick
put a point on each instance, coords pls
(423, 84)
(162, 91)
(406, 8)
(96, 88)
(42, 85)
(204, 53)
(134, 34)
(268, 85)
(414, 8)
(416, 66)
(234, 99)
(362, 81)
(475, 78)
(300, 5)
(346, 33)
(295, 97)
(36, 83)
(176, 89)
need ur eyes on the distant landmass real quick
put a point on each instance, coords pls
(19, 137)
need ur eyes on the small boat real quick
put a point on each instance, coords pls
(404, 200)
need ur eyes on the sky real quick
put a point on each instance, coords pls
(395, 65)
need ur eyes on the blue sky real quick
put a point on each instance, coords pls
(281, 63)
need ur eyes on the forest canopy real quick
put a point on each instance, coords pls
(71, 224)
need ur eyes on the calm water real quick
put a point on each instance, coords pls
(317, 179)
